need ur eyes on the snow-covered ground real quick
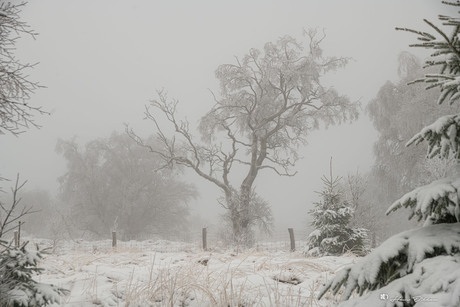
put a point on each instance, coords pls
(142, 274)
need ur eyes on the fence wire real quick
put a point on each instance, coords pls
(193, 242)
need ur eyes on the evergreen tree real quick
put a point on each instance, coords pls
(17, 286)
(397, 169)
(19, 266)
(421, 266)
(331, 218)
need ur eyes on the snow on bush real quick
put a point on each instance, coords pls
(400, 256)
(434, 202)
(442, 136)
(433, 282)
(17, 286)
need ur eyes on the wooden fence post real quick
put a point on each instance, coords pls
(19, 233)
(291, 236)
(114, 239)
(205, 243)
(16, 238)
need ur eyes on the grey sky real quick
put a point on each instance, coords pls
(101, 62)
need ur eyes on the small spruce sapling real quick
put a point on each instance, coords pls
(17, 286)
(19, 266)
(331, 218)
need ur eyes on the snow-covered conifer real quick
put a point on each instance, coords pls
(331, 218)
(17, 286)
(421, 266)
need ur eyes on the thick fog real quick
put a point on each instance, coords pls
(100, 63)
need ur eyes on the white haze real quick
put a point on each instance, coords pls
(101, 62)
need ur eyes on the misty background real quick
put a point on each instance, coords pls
(101, 62)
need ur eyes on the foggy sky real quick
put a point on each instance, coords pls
(101, 62)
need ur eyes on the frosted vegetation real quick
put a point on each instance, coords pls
(332, 234)
(421, 266)
(18, 287)
(144, 273)
(435, 202)
(268, 102)
(399, 267)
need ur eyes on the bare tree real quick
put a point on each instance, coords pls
(269, 100)
(17, 287)
(15, 89)
(11, 214)
(16, 114)
(355, 185)
(359, 190)
(18, 265)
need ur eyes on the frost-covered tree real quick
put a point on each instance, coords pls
(422, 266)
(397, 169)
(42, 208)
(259, 215)
(16, 114)
(332, 234)
(268, 102)
(18, 266)
(357, 190)
(111, 184)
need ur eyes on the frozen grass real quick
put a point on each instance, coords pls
(133, 276)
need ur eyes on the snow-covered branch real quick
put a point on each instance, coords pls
(402, 255)
(443, 136)
(435, 202)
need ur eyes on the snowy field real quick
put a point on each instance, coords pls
(147, 274)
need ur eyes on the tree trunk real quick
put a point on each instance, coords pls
(246, 231)
(240, 220)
